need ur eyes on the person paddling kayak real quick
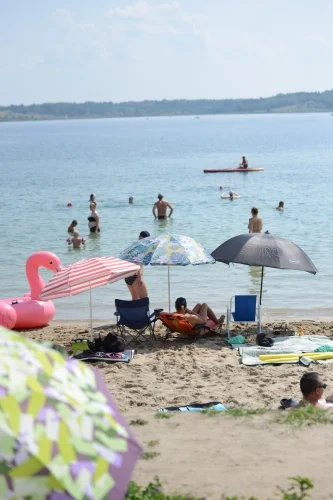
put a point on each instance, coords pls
(244, 163)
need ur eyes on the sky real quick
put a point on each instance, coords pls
(120, 50)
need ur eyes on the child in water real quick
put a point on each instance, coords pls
(71, 227)
(76, 240)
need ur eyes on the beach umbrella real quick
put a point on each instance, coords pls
(85, 275)
(62, 436)
(264, 250)
(167, 250)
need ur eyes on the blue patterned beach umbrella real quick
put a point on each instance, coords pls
(167, 250)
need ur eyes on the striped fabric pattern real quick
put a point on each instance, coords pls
(85, 274)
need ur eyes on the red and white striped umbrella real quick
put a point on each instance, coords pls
(85, 275)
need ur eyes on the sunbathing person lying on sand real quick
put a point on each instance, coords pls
(312, 388)
(201, 314)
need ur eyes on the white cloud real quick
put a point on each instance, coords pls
(152, 29)
(156, 19)
(65, 15)
(78, 37)
(144, 10)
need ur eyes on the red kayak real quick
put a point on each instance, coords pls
(259, 169)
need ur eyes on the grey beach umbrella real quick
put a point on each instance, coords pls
(264, 250)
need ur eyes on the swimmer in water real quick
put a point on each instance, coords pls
(161, 207)
(255, 223)
(71, 227)
(221, 187)
(131, 200)
(280, 208)
(76, 240)
(233, 195)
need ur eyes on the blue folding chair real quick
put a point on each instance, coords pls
(246, 310)
(134, 315)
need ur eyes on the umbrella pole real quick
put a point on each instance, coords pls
(262, 279)
(91, 323)
(169, 288)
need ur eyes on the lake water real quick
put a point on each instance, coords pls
(44, 164)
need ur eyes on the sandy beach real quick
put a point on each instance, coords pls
(208, 456)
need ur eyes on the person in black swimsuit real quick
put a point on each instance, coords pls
(135, 283)
(93, 219)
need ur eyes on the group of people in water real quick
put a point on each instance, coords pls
(159, 208)
(93, 224)
(255, 224)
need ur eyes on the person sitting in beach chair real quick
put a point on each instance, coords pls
(200, 321)
(201, 314)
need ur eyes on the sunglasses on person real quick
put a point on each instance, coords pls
(322, 386)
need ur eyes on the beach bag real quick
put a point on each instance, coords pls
(264, 341)
(113, 343)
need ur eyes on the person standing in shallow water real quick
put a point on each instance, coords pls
(161, 208)
(255, 222)
(93, 219)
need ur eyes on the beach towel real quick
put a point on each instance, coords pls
(108, 357)
(284, 345)
(196, 407)
(238, 340)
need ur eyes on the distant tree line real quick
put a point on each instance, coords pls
(298, 102)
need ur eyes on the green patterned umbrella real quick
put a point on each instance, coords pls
(61, 435)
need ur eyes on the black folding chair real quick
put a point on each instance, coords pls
(134, 315)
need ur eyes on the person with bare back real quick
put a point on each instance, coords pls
(201, 314)
(161, 208)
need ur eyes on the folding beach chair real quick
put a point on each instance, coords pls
(134, 315)
(176, 323)
(246, 310)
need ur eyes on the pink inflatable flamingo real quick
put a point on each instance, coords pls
(29, 311)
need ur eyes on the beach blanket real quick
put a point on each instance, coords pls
(196, 407)
(284, 345)
(108, 357)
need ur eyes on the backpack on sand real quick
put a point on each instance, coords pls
(113, 343)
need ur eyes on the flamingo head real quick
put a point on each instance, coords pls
(45, 259)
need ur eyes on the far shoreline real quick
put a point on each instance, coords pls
(147, 117)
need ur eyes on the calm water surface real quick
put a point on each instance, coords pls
(44, 164)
